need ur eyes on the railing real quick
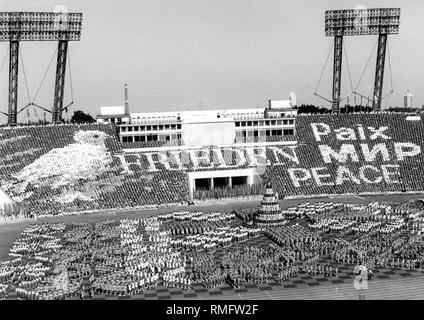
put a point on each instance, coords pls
(153, 144)
(265, 139)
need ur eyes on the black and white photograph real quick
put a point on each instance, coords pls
(232, 151)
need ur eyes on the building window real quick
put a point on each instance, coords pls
(178, 126)
(130, 129)
(237, 124)
(136, 128)
(149, 128)
(167, 127)
(249, 123)
(288, 132)
(243, 124)
(155, 128)
(123, 129)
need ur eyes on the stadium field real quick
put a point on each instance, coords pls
(387, 283)
(9, 231)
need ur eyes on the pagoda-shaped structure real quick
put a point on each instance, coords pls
(269, 212)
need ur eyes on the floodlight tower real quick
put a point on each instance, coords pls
(354, 22)
(38, 26)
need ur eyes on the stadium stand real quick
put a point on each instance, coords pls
(395, 127)
(50, 170)
(265, 139)
(67, 168)
(153, 144)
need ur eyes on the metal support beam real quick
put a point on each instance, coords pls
(379, 72)
(13, 82)
(60, 81)
(337, 72)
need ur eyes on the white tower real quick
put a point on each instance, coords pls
(407, 99)
(127, 108)
(292, 99)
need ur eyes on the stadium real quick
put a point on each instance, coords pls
(230, 203)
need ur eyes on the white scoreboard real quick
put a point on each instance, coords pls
(209, 132)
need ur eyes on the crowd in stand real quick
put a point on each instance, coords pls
(399, 129)
(98, 185)
(275, 138)
(109, 188)
(152, 144)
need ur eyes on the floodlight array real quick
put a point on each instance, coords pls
(362, 22)
(40, 26)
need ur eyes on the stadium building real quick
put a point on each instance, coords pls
(227, 130)
(241, 125)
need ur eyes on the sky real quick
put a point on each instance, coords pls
(212, 54)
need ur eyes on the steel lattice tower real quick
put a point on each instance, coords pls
(38, 26)
(355, 22)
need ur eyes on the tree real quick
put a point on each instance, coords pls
(81, 117)
(309, 108)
